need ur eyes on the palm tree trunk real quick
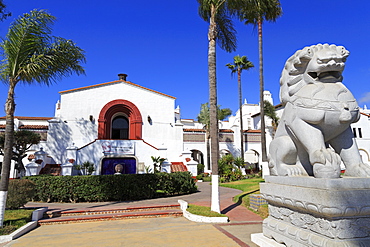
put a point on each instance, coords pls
(215, 201)
(8, 149)
(263, 133)
(208, 152)
(241, 115)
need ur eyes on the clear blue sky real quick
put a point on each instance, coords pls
(163, 44)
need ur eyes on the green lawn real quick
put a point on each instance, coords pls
(14, 219)
(248, 186)
(203, 211)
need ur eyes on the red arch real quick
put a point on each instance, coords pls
(116, 106)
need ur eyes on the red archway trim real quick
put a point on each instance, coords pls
(116, 106)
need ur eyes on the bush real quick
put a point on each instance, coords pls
(20, 191)
(200, 169)
(111, 187)
(229, 168)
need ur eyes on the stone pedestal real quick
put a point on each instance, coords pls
(308, 211)
(166, 166)
(32, 169)
(193, 167)
(67, 169)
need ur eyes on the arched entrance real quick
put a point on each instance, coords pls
(197, 156)
(120, 119)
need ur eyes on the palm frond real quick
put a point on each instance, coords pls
(226, 32)
(31, 54)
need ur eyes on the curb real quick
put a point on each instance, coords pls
(36, 215)
(199, 218)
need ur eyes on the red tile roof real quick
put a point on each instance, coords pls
(252, 131)
(34, 127)
(194, 130)
(29, 127)
(178, 167)
(226, 131)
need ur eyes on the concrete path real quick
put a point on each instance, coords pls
(150, 231)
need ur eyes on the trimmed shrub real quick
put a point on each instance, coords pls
(20, 191)
(111, 187)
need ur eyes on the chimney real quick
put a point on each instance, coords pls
(122, 77)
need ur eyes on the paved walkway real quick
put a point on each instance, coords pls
(150, 231)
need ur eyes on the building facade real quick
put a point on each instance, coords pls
(122, 123)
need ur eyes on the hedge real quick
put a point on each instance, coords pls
(20, 191)
(111, 187)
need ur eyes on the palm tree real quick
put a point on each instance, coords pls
(240, 64)
(32, 55)
(270, 112)
(218, 13)
(255, 12)
(203, 118)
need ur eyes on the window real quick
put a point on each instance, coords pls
(120, 128)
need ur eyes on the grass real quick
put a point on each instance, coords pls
(248, 186)
(203, 211)
(14, 219)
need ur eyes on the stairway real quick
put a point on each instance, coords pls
(85, 215)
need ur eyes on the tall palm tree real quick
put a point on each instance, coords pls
(203, 118)
(255, 13)
(32, 55)
(218, 13)
(240, 64)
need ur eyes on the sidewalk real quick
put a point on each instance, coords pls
(150, 231)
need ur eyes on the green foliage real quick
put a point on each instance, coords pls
(111, 187)
(270, 112)
(200, 168)
(23, 140)
(32, 54)
(203, 116)
(20, 191)
(87, 168)
(240, 63)
(14, 219)
(176, 183)
(157, 163)
(229, 168)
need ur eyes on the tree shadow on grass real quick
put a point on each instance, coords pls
(238, 203)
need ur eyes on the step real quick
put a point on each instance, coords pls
(85, 215)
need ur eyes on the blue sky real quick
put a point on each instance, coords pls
(163, 45)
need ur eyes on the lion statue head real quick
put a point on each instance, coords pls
(321, 63)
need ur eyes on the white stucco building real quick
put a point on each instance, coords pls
(120, 122)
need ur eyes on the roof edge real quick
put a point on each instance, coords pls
(112, 82)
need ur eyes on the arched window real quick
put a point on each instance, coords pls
(120, 128)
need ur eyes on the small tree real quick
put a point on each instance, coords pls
(23, 141)
(270, 112)
(157, 163)
(87, 168)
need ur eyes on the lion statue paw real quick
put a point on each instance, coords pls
(360, 170)
(326, 164)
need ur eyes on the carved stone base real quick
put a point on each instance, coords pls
(308, 211)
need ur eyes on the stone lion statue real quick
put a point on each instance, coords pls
(314, 134)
